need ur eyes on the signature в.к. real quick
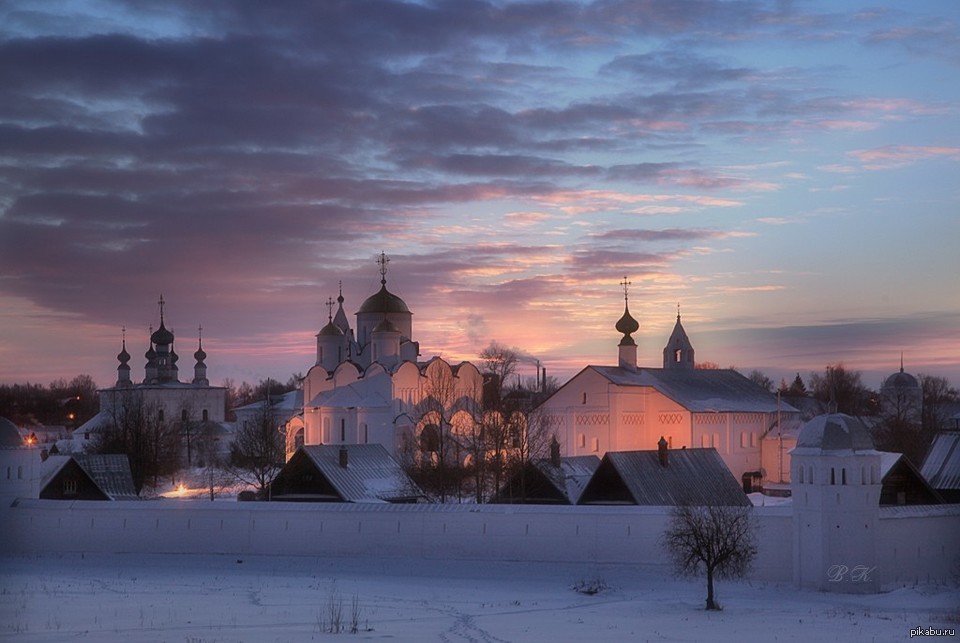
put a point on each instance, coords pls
(859, 574)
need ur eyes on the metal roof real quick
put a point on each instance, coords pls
(572, 476)
(371, 474)
(691, 477)
(700, 390)
(109, 472)
(941, 467)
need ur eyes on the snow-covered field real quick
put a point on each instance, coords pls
(225, 599)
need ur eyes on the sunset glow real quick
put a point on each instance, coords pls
(785, 172)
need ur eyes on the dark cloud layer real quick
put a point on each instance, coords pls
(227, 150)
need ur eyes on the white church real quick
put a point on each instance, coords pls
(196, 406)
(367, 386)
(630, 407)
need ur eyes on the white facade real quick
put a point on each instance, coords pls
(836, 482)
(161, 396)
(628, 407)
(370, 388)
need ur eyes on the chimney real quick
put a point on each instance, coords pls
(555, 452)
(662, 451)
(343, 457)
(543, 381)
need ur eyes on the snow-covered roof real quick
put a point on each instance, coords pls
(290, 401)
(362, 393)
(834, 433)
(572, 476)
(370, 474)
(700, 390)
(941, 467)
(691, 476)
(109, 472)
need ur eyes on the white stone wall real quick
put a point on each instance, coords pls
(588, 534)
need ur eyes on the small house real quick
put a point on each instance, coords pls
(88, 477)
(343, 473)
(665, 477)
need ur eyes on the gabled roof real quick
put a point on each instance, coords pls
(699, 390)
(691, 477)
(565, 480)
(941, 467)
(109, 473)
(359, 393)
(370, 475)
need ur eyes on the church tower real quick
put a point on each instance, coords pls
(164, 360)
(678, 353)
(200, 368)
(123, 370)
(331, 341)
(835, 484)
(627, 325)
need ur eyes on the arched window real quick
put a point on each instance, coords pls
(843, 475)
(298, 439)
(833, 476)
(206, 415)
(430, 439)
(801, 476)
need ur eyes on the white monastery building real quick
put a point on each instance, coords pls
(629, 407)
(194, 404)
(368, 387)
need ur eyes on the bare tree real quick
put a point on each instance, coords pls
(840, 386)
(720, 541)
(138, 429)
(258, 449)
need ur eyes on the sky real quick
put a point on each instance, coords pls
(784, 172)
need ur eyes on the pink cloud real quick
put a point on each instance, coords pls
(894, 156)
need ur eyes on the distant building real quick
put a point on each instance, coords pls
(194, 407)
(362, 473)
(629, 407)
(19, 464)
(901, 397)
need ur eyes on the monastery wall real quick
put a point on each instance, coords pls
(428, 532)
(448, 532)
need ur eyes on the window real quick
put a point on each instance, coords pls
(584, 399)
(160, 415)
(743, 439)
(430, 439)
(810, 474)
(183, 415)
(326, 430)
(69, 487)
(206, 415)
(843, 475)
(833, 476)
(366, 434)
(20, 472)
(801, 475)
(676, 355)
(581, 440)
(596, 445)
(753, 439)
(343, 430)
(704, 441)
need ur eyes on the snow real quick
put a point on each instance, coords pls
(134, 598)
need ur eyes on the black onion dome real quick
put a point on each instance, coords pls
(383, 302)
(123, 356)
(627, 324)
(162, 335)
